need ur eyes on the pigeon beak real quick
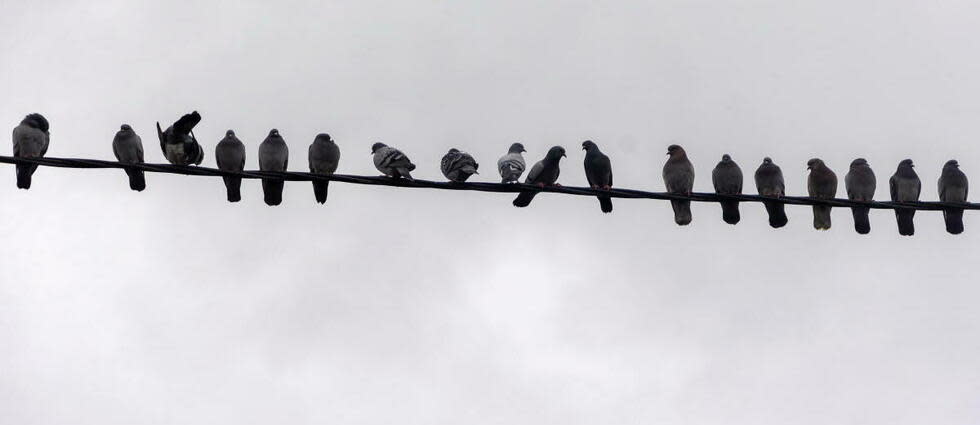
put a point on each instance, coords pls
(563, 156)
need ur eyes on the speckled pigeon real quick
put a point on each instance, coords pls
(392, 162)
(458, 166)
(512, 165)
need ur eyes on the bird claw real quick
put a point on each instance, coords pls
(606, 187)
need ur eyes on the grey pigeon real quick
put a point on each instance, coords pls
(860, 184)
(178, 143)
(953, 188)
(324, 157)
(512, 165)
(458, 166)
(727, 179)
(821, 184)
(679, 178)
(392, 162)
(128, 148)
(543, 173)
(230, 154)
(273, 156)
(769, 182)
(905, 187)
(598, 171)
(31, 139)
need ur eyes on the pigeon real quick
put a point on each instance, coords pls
(458, 166)
(178, 143)
(822, 184)
(727, 179)
(543, 173)
(31, 139)
(769, 182)
(598, 171)
(128, 148)
(273, 156)
(953, 188)
(230, 154)
(860, 184)
(905, 187)
(392, 162)
(512, 165)
(324, 157)
(679, 179)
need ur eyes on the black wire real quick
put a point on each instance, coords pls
(479, 186)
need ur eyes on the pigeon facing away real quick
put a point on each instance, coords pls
(769, 182)
(458, 166)
(273, 156)
(727, 179)
(953, 188)
(905, 187)
(860, 185)
(31, 139)
(230, 154)
(512, 165)
(598, 171)
(543, 173)
(392, 162)
(679, 178)
(324, 156)
(178, 143)
(128, 148)
(822, 184)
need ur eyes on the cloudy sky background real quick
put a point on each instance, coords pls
(418, 306)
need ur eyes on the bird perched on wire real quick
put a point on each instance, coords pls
(905, 186)
(822, 184)
(598, 171)
(458, 166)
(178, 143)
(727, 180)
(128, 148)
(953, 188)
(31, 138)
(273, 156)
(512, 165)
(679, 179)
(860, 185)
(392, 162)
(769, 182)
(324, 157)
(544, 173)
(230, 154)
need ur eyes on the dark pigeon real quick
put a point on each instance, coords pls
(598, 171)
(324, 157)
(953, 188)
(679, 178)
(727, 179)
(127, 146)
(273, 156)
(860, 184)
(178, 143)
(769, 182)
(544, 173)
(905, 186)
(31, 140)
(821, 184)
(230, 154)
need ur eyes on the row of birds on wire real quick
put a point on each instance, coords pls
(180, 147)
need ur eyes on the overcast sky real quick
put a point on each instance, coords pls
(412, 306)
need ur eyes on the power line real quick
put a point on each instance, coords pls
(479, 186)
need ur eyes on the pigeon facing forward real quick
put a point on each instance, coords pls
(905, 187)
(230, 154)
(273, 156)
(324, 156)
(953, 188)
(458, 166)
(178, 143)
(727, 179)
(512, 165)
(598, 171)
(860, 185)
(392, 162)
(769, 182)
(679, 179)
(31, 139)
(128, 148)
(821, 184)
(543, 173)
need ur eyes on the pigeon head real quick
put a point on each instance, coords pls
(726, 158)
(860, 162)
(952, 163)
(814, 163)
(516, 148)
(274, 133)
(907, 163)
(453, 150)
(125, 127)
(376, 146)
(767, 160)
(589, 146)
(36, 121)
(555, 153)
(230, 133)
(324, 136)
(675, 151)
